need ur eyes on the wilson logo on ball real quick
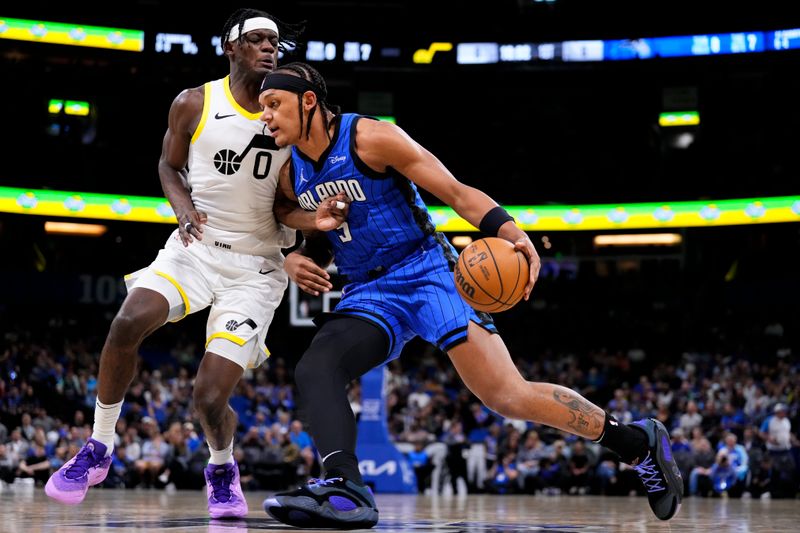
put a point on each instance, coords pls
(462, 284)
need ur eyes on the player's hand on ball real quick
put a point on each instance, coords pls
(332, 212)
(308, 275)
(190, 225)
(525, 246)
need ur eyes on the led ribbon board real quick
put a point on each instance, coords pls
(70, 107)
(655, 215)
(72, 34)
(86, 205)
(678, 118)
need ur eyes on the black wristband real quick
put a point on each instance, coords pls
(491, 222)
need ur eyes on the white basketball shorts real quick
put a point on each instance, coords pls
(242, 290)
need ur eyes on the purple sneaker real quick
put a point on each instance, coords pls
(225, 498)
(89, 467)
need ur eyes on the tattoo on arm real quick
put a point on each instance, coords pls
(585, 417)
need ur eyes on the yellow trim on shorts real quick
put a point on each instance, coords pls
(228, 336)
(238, 341)
(226, 84)
(180, 290)
(127, 277)
(264, 349)
(206, 110)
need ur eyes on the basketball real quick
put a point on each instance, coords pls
(491, 275)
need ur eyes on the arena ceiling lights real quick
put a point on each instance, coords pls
(72, 228)
(654, 215)
(639, 239)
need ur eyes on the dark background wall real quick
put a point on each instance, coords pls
(526, 134)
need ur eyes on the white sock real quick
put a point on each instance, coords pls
(105, 422)
(221, 457)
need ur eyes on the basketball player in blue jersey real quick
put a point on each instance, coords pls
(225, 253)
(399, 284)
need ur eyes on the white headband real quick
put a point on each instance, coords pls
(255, 23)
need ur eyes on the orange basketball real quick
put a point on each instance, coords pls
(490, 275)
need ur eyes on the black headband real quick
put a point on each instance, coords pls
(295, 84)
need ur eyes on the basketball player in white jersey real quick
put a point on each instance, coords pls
(226, 253)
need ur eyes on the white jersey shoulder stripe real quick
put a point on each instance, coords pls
(204, 116)
(226, 85)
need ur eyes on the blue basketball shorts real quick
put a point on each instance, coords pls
(416, 296)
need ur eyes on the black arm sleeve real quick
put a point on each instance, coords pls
(317, 247)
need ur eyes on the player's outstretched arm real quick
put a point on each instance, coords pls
(184, 117)
(382, 145)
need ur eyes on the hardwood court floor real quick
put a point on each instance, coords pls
(29, 510)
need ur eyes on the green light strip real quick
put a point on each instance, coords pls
(70, 107)
(85, 205)
(55, 106)
(679, 118)
(654, 215)
(76, 107)
(72, 34)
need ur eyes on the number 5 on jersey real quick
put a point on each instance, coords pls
(344, 232)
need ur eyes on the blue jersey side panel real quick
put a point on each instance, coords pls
(387, 218)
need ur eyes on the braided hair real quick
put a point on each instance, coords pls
(288, 33)
(309, 73)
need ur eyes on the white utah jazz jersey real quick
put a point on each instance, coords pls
(233, 175)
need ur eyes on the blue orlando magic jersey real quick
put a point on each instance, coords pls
(387, 218)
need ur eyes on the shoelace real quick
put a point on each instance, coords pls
(649, 474)
(83, 462)
(323, 482)
(221, 480)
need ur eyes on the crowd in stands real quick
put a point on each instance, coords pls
(47, 397)
(733, 422)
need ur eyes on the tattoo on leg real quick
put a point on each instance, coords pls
(585, 417)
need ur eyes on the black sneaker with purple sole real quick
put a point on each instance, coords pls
(658, 471)
(335, 503)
